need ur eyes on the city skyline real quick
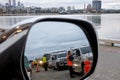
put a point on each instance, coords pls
(107, 4)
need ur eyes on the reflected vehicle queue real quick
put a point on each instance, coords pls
(79, 64)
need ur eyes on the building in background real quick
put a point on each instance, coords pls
(14, 3)
(19, 4)
(9, 2)
(96, 4)
(89, 8)
(0, 5)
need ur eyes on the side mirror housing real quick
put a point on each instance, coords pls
(16, 46)
(54, 28)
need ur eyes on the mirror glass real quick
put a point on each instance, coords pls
(57, 51)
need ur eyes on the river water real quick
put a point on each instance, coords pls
(107, 25)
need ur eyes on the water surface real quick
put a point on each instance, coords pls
(107, 25)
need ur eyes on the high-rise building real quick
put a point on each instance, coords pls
(19, 4)
(14, 3)
(96, 5)
(9, 2)
(69, 8)
(89, 7)
(0, 5)
(22, 5)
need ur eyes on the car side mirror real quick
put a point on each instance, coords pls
(47, 35)
(54, 35)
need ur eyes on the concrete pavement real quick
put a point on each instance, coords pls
(108, 67)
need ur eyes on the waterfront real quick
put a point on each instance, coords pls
(107, 25)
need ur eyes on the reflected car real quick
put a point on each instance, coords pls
(58, 60)
(28, 67)
(80, 55)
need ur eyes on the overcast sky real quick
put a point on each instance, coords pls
(114, 4)
(49, 37)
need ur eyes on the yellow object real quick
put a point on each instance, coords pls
(35, 62)
(44, 59)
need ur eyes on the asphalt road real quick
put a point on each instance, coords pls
(52, 75)
(108, 67)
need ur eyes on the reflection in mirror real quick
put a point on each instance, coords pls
(57, 51)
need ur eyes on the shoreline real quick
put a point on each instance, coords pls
(54, 14)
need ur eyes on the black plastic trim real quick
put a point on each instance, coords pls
(88, 29)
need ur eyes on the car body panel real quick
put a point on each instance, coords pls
(59, 59)
(85, 53)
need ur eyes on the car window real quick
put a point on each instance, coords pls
(62, 55)
(86, 50)
(77, 52)
(55, 57)
(104, 14)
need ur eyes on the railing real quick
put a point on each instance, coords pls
(109, 42)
